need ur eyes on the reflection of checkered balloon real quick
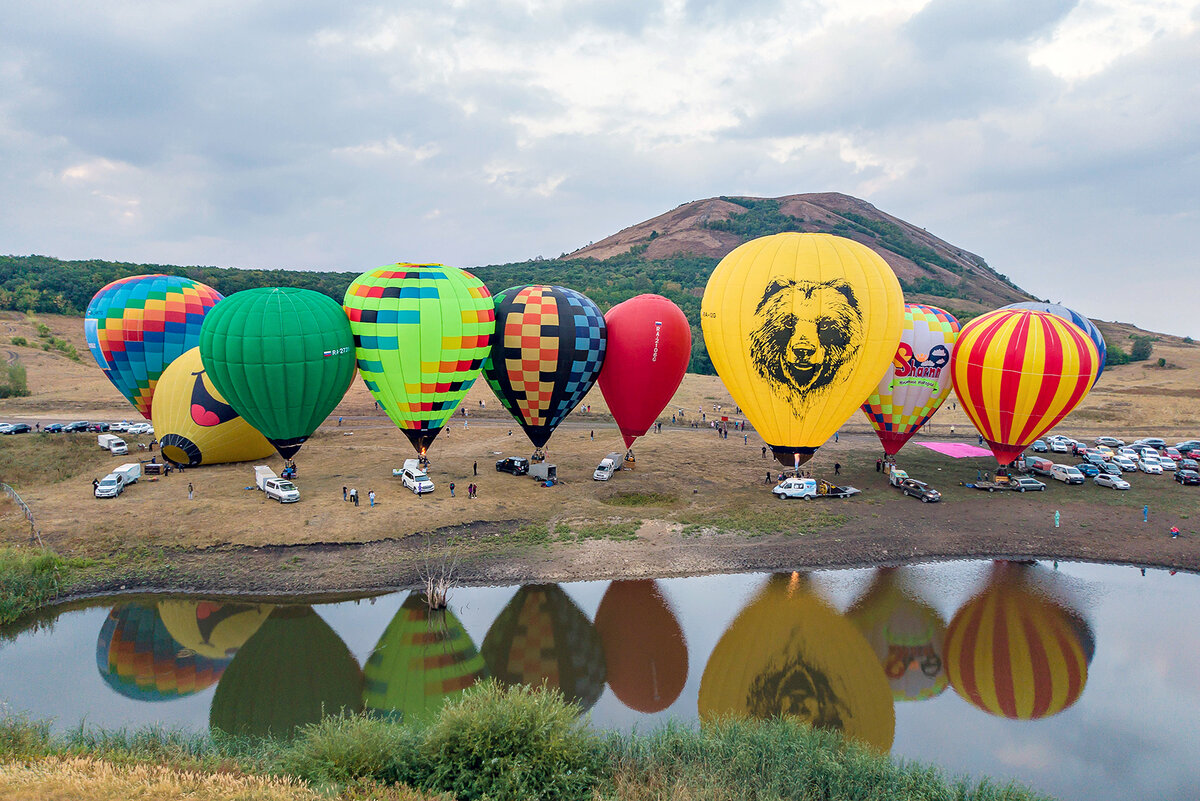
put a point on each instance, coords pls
(546, 354)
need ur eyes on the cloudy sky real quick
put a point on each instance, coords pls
(1057, 139)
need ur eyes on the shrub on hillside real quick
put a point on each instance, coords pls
(344, 749)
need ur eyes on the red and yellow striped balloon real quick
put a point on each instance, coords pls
(1017, 373)
(1013, 652)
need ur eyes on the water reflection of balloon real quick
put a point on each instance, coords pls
(282, 357)
(800, 327)
(424, 659)
(212, 629)
(649, 345)
(421, 333)
(293, 671)
(644, 650)
(137, 326)
(1014, 652)
(917, 380)
(1072, 316)
(1017, 373)
(907, 635)
(546, 353)
(542, 636)
(195, 425)
(790, 653)
(137, 656)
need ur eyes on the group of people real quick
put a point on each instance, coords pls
(472, 490)
(351, 494)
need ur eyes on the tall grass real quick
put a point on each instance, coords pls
(28, 578)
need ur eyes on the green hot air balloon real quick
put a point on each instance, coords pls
(282, 357)
(421, 333)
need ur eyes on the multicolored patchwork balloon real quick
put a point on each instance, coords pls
(547, 351)
(421, 333)
(137, 326)
(1071, 316)
(917, 380)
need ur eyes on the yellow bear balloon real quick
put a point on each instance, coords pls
(193, 422)
(800, 327)
(213, 629)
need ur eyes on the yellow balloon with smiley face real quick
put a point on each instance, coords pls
(195, 425)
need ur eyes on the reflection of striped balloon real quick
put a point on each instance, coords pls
(1018, 373)
(1014, 653)
(421, 333)
(139, 658)
(917, 380)
(1071, 316)
(137, 326)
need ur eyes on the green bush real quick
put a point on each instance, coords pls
(1141, 349)
(19, 341)
(21, 737)
(511, 743)
(344, 749)
(28, 579)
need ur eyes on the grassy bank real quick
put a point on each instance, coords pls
(494, 743)
(29, 577)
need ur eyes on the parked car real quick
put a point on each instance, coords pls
(1088, 469)
(110, 486)
(1026, 484)
(1094, 458)
(1127, 452)
(1172, 452)
(140, 428)
(4, 428)
(1187, 477)
(53, 428)
(919, 489)
(18, 428)
(517, 465)
(1059, 446)
(1043, 467)
(1167, 464)
(1112, 482)
(281, 490)
(1189, 464)
(1066, 474)
(1153, 442)
(1111, 442)
(1126, 464)
(795, 487)
(1152, 467)
(98, 428)
(1104, 451)
(1110, 468)
(78, 425)
(414, 477)
(1040, 446)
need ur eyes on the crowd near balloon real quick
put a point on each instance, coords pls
(802, 329)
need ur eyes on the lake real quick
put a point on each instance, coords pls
(1080, 680)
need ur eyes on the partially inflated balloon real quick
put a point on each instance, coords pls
(282, 357)
(917, 380)
(137, 656)
(195, 425)
(1070, 315)
(1017, 373)
(800, 327)
(790, 653)
(424, 659)
(137, 326)
(649, 345)
(421, 333)
(210, 628)
(546, 352)
(644, 649)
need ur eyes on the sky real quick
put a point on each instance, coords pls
(1058, 140)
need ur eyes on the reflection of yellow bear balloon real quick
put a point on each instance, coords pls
(800, 327)
(789, 653)
(211, 628)
(193, 422)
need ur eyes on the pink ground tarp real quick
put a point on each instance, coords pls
(956, 450)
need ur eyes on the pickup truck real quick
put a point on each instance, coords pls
(809, 488)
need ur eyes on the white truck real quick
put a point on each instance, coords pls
(129, 473)
(113, 443)
(261, 474)
(275, 487)
(608, 465)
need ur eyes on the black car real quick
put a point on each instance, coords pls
(18, 428)
(517, 465)
(53, 428)
(98, 428)
(81, 425)
(919, 489)
(1187, 477)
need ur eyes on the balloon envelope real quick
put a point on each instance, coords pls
(649, 345)
(644, 650)
(917, 380)
(137, 326)
(421, 333)
(800, 327)
(282, 357)
(1018, 373)
(195, 425)
(546, 352)
(1072, 316)
(137, 656)
(212, 629)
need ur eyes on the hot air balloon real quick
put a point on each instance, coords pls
(293, 671)
(542, 636)
(917, 380)
(790, 653)
(195, 425)
(137, 326)
(546, 352)
(137, 656)
(282, 357)
(800, 327)
(907, 635)
(1071, 316)
(212, 629)
(424, 659)
(645, 654)
(1017, 373)
(421, 333)
(1014, 652)
(649, 345)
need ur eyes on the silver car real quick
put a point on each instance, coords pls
(1112, 482)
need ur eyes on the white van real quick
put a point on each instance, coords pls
(281, 490)
(415, 478)
(1066, 474)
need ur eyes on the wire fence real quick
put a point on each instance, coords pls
(34, 534)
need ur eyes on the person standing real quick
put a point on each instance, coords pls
(95, 483)
(451, 489)
(764, 451)
(593, 435)
(190, 490)
(354, 496)
(835, 437)
(879, 465)
(1056, 518)
(475, 465)
(371, 498)
(1146, 513)
(952, 431)
(343, 493)
(837, 468)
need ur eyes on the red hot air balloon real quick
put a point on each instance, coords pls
(644, 649)
(649, 345)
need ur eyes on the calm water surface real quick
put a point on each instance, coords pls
(1083, 682)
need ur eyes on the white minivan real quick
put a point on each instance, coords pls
(1066, 474)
